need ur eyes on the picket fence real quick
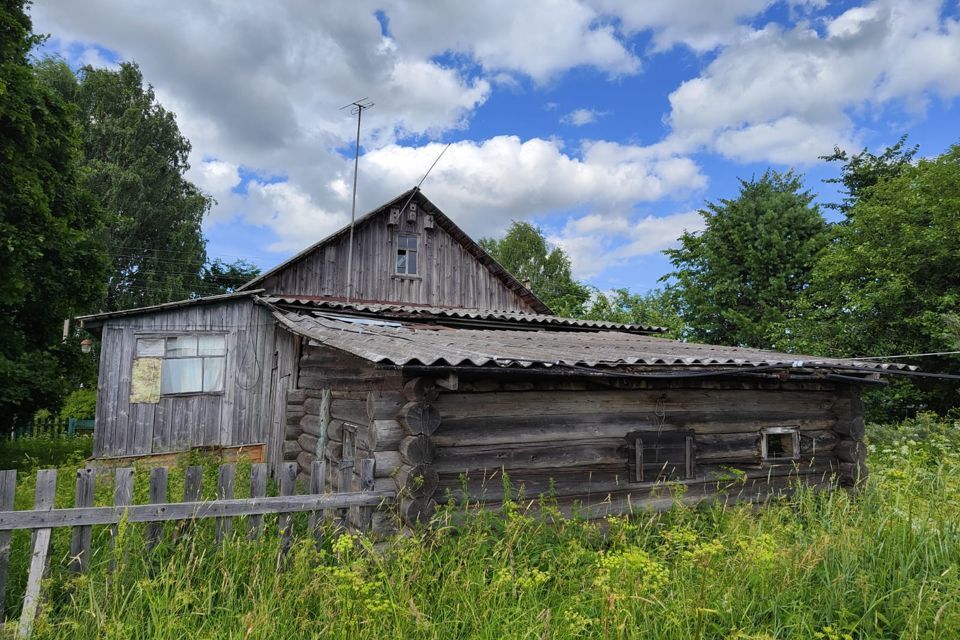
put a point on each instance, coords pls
(44, 517)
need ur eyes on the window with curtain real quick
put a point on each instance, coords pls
(193, 363)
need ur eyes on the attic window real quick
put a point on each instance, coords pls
(662, 455)
(407, 254)
(780, 443)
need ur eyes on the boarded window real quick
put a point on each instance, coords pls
(662, 455)
(780, 443)
(407, 255)
(193, 363)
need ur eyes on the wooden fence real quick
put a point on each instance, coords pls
(51, 427)
(43, 517)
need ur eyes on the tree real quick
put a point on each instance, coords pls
(136, 160)
(889, 282)
(51, 255)
(736, 281)
(221, 277)
(523, 251)
(657, 308)
(862, 171)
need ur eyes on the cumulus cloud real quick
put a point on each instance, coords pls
(786, 94)
(580, 117)
(595, 242)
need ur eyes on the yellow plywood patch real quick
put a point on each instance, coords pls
(145, 381)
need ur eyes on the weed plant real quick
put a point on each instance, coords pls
(881, 563)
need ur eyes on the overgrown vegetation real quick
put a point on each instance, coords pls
(880, 564)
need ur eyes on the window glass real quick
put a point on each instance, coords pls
(412, 262)
(181, 375)
(181, 346)
(210, 345)
(407, 254)
(401, 262)
(213, 370)
(150, 347)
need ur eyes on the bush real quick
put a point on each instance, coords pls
(80, 404)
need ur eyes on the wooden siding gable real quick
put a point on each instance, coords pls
(452, 271)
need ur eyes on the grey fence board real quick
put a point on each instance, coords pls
(80, 543)
(8, 487)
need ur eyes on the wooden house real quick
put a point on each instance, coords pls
(432, 359)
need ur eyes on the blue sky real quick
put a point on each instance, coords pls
(606, 122)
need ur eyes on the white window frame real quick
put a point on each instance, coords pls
(165, 357)
(406, 273)
(779, 431)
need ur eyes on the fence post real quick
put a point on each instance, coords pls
(288, 486)
(122, 497)
(258, 489)
(8, 486)
(158, 495)
(80, 543)
(318, 474)
(191, 493)
(365, 514)
(43, 501)
(225, 480)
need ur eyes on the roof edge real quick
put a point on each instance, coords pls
(107, 315)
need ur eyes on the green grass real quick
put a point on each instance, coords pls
(884, 563)
(30, 453)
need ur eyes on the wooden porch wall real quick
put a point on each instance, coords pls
(240, 415)
(449, 276)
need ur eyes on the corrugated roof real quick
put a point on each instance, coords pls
(398, 311)
(106, 315)
(402, 343)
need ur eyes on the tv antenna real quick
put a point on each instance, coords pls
(357, 107)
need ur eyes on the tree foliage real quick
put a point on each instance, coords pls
(735, 282)
(889, 282)
(218, 276)
(657, 308)
(51, 252)
(136, 161)
(861, 171)
(523, 251)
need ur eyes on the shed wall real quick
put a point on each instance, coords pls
(240, 415)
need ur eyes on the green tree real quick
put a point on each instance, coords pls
(523, 251)
(736, 281)
(889, 282)
(656, 308)
(136, 161)
(51, 253)
(218, 276)
(861, 171)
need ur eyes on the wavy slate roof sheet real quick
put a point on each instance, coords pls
(413, 312)
(402, 343)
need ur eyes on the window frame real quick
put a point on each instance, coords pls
(165, 336)
(406, 250)
(646, 439)
(779, 431)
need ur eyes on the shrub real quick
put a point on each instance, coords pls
(80, 404)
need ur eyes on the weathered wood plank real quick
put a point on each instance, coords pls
(157, 495)
(44, 495)
(80, 542)
(288, 479)
(8, 488)
(365, 514)
(122, 498)
(318, 474)
(258, 489)
(226, 478)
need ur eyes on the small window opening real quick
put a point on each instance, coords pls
(663, 455)
(780, 443)
(407, 255)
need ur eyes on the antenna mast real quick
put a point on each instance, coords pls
(357, 108)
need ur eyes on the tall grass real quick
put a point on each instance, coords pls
(884, 563)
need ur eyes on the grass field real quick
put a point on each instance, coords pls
(882, 564)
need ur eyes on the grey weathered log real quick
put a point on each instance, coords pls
(304, 461)
(384, 405)
(80, 540)
(44, 495)
(308, 443)
(157, 495)
(420, 390)
(258, 490)
(382, 435)
(417, 481)
(288, 479)
(292, 432)
(349, 410)
(290, 450)
(850, 450)
(417, 450)
(417, 510)
(122, 498)
(419, 418)
(8, 488)
(226, 479)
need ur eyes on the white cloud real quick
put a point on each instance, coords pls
(596, 242)
(787, 95)
(291, 214)
(580, 117)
